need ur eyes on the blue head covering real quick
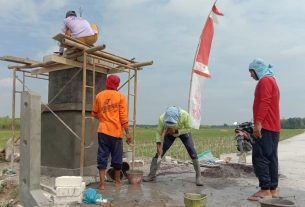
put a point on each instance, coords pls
(260, 68)
(171, 116)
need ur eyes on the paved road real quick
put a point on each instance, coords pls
(222, 192)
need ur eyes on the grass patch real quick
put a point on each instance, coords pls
(5, 135)
(218, 140)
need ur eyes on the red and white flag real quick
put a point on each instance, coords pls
(200, 68)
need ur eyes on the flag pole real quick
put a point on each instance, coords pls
(191, 81)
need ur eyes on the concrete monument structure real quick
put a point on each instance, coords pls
(59, 147)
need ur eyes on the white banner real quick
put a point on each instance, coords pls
(195, 100)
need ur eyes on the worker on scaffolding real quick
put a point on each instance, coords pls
(174, 123)
(79, 28)
(110, 108)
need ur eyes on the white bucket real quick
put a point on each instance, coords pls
(128, 155)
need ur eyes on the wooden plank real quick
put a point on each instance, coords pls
(50, 69)
(18, 60)
(61, 37)
(68, 63)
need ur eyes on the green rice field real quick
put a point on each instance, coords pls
(218, 140)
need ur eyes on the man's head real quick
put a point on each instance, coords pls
(171, 116)
(259, 69)
(112, 82)
(71, 13)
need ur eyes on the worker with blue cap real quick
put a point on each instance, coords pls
(174, 123)
(267, 126)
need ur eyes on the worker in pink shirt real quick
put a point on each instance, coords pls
(79, 28)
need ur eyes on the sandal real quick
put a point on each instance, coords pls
(256, 197)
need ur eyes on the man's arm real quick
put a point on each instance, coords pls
(160, 129)
(64, 27)
(263, 99)
(95, 109)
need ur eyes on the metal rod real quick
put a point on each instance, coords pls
(129, 78)
(56, 116)
(29, 76)
(63, 88)
(23, 79)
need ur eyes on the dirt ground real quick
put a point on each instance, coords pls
(227, 186)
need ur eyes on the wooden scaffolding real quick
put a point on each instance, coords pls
(78, 55)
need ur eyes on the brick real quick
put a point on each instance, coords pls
(68, 181)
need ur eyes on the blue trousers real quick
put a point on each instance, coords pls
(265, 159)
(108, 145)
(186, 140)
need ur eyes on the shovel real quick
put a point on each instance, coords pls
(162, 140)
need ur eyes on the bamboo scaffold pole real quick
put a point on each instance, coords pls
(134, 116)
(93, 99)
(13, 119)
(82, 145)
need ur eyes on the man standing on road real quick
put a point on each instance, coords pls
(174, 123)
(110, 108)
(266, 116)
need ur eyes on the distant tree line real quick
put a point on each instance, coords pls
(290, 123)
(293, 123)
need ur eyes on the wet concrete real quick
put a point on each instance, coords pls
(223, 189)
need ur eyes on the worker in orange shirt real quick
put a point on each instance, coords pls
(110, 108)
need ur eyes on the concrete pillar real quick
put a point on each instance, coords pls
(60, 148)
(29, 178)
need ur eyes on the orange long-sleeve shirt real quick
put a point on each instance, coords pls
(110, 108)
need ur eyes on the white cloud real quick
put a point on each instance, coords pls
(29, 11)
(6, 83)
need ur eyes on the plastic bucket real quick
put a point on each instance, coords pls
(195, 200)
(134, 176)
(128, 155)
(277, 202)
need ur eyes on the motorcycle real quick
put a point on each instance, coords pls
(244, 136)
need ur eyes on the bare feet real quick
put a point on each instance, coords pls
(101, 187)
(260, 194)
(275, 193)
(118, 184)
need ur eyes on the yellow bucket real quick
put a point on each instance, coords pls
(195, 200)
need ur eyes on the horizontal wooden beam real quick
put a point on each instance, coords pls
(18, 60)
(64, 63)
(137, 65)
(96, 48)
(97, 53)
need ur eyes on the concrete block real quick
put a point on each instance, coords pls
(83, 186)
(68, 191)
(66, 199)
(68, 181)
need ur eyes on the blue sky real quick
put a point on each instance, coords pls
(167, 32)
